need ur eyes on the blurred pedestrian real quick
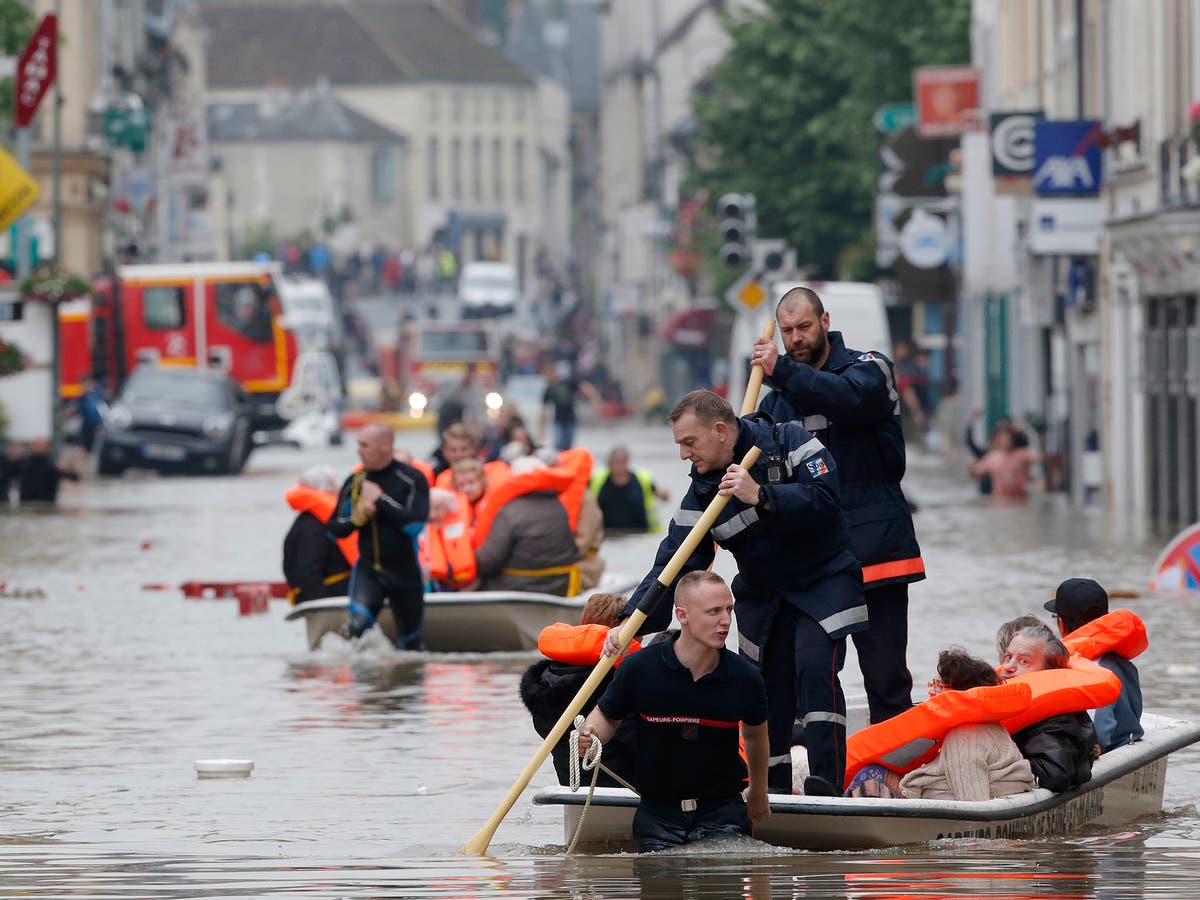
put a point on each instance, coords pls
(559, 401)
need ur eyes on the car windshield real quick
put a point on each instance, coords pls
(184, 388)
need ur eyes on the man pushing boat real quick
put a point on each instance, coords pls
(688, 696)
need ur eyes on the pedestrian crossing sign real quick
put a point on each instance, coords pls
(751, 294)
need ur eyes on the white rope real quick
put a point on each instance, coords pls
(590, 762)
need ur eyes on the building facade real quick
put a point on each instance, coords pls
(485, 167)
(1098, 339)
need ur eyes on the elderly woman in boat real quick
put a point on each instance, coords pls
(1060, 748)
(977, 761)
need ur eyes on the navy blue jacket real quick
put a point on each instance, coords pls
(851, 404)
(793, 549)
(1119, 723)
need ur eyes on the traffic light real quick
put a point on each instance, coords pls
(738, 224)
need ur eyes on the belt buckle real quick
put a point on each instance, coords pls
(687, 805)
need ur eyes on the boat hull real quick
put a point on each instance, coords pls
(466, 621)
(1127, 783)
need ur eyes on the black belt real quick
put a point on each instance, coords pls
(691, 804)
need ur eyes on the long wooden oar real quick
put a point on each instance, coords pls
(479, 843)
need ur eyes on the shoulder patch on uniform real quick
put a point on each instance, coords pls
(866, 357)
(817, 467)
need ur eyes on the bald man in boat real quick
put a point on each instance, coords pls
(688, 696)
(387, 503)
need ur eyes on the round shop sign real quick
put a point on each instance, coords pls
(924, 240)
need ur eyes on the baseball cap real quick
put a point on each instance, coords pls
(1078, 598)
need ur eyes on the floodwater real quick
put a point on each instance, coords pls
(372, 767)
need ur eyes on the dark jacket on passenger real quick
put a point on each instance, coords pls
(530, 533)
(547, 687)
(1120, 722)
(388, 540)
(1059, 750)
(313, 564)
(852, 406)
(789, 548)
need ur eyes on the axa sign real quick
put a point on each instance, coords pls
(1067, 158)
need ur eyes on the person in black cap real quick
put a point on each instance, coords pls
(1077, 602)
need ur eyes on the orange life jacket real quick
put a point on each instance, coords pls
(496, 471)
(302, 498)
(913, 737)
(1120, 631)
(551, 478)
(446, 548)
(425, 469)
(579, 461)
(578, 645)
(1082, 685)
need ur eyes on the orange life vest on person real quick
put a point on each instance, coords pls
(1120, 631)
(912, 738)
(303, 498)
(1082, 685)
(495, 471)
(551, 478)
(579, 461)
(425, 469)
(578, 645)
(446, 549)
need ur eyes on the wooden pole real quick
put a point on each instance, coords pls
(479, 843)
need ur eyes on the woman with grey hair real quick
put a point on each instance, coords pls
(1060, 749)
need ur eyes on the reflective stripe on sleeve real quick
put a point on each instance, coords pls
(736, 525)
(804, 451)
(686, 518)
(779, 760)
(815, 422)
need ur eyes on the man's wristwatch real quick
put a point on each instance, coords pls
(762, 498)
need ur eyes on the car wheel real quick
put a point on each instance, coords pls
(236, 460)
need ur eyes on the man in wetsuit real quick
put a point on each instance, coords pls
(387, 502)
(688, 696)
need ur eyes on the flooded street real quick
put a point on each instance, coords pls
(372, 767)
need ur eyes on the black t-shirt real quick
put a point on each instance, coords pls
(624, 506)
(687, 731)
(561, 395)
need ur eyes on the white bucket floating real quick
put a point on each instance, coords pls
(223, 768)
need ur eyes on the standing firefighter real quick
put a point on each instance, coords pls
(848, 399)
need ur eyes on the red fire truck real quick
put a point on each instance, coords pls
(225, 315)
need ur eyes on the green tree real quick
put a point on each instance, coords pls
(16, 26)
(787, 114)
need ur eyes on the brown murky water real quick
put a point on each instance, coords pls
(372, 767)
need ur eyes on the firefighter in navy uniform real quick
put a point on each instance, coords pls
(848, 399)
(798, 589)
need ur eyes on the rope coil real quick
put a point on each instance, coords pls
(589, 762)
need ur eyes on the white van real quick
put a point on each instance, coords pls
(855, 309)
(488, 289)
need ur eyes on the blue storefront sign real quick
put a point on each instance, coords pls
(1067, 158)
